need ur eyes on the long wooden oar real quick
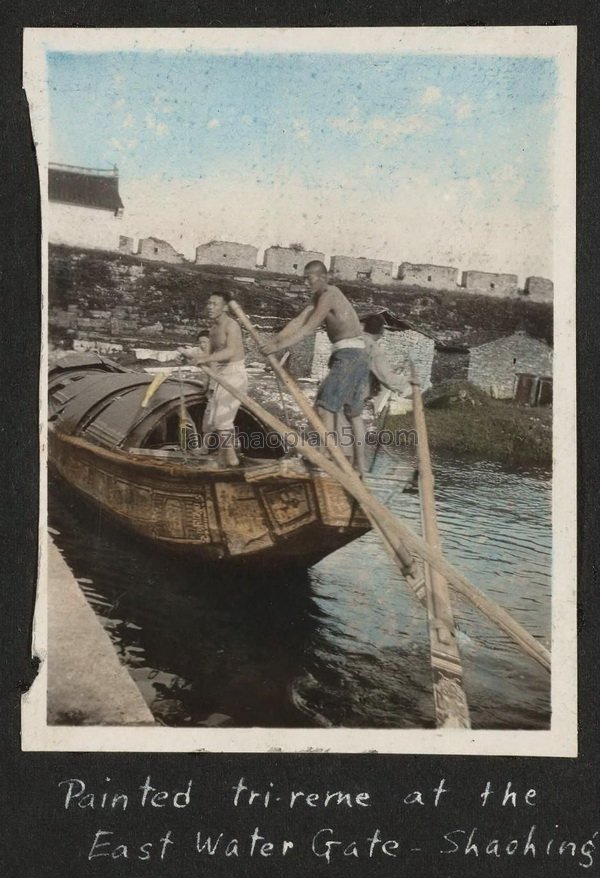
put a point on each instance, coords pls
(404, 534)
(450, 701)
(389, 527)
(393, 545)
(449, 696)
(381, 415)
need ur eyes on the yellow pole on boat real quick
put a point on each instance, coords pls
(153, 387)
(450, 700)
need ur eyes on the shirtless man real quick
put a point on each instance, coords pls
(346, 385)
(226, 353)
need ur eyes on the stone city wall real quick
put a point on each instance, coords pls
(425, 275)
(161, 251)
(359, 268)
(292, 260)
(227, 253)
(540, 289)
(287, 260)
(488, 283)
(140, 295)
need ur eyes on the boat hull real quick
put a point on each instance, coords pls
(268, 517)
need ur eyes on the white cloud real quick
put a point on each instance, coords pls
(301, 130)
(475, 187)
(507, 174)
(386, 130)
(346, 124)
(431, 95)
(162, 102)
(119, 104)
(123, 145)
(383, 129)
(508, 180)
(464, 109)
(159, 128)
(213, 123)
(128, 121)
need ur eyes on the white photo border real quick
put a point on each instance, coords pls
(558, 43)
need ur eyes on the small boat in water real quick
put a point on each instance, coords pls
(273, 510)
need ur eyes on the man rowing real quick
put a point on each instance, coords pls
(345, 387)
(226, 354)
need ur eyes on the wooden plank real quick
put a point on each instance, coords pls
(450, 700)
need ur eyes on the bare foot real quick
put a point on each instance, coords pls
(228, 457)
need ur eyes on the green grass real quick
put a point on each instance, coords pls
(488, 429)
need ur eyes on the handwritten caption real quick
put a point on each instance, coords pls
(324, 844)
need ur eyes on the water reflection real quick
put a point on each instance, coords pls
(343, 644)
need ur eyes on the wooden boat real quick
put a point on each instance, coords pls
(273, 510)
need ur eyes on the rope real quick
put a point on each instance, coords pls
(182, 418)
(286, 415)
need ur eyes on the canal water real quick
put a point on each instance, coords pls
(342, 644)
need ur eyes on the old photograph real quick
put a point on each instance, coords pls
(308, 390)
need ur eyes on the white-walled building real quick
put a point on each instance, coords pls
(493, 366)
(84, 207)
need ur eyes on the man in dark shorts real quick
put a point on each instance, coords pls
(345, 387)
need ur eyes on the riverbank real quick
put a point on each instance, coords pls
(465, 421)
(461, 420)
(87, 684)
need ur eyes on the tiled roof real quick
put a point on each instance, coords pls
(393, 322)
(85, 187)
(464, 340)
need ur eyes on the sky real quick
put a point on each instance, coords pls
(418, 158)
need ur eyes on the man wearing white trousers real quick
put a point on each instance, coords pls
(225, 356)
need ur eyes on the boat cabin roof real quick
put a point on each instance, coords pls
(96, 399)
